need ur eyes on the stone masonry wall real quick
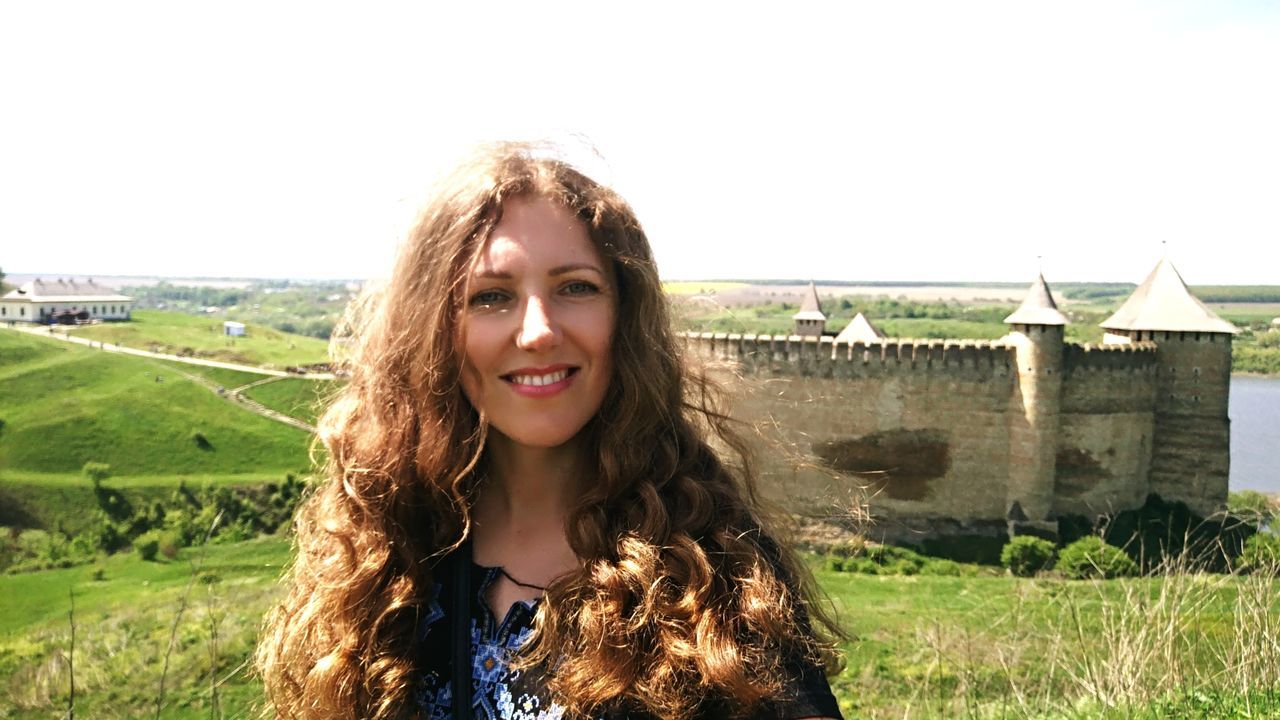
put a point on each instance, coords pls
(923, 431)
(1106, 429)
(1189, 459)
(918, 429)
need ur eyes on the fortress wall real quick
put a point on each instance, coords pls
(1107, 427)
(1191, 456)
(921, 425)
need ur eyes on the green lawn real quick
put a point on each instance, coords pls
(124, 622)
(229, 379)
(296, 397)
(1247, 313)
(65, 405)
(178, 333)
(923, 647)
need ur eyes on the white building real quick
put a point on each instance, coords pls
(232, 328)
(63, 301)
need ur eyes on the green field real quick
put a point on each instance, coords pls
(223, 377)
(124, 622)
(65, 405)
(181, 334)
(922, 647)
(295, 397)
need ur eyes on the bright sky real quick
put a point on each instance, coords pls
(841, 141)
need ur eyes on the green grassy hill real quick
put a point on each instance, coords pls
(178, 333)
(64, 405)
(295, 397)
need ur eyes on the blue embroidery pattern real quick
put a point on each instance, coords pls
(498, 692)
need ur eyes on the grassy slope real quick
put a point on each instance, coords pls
(924, 647)
(173, 332)
(295, 397)
(66, 405)
(123, 627)
(222, 376)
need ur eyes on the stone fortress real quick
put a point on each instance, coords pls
(944, 438)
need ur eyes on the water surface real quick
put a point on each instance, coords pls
(1255, 433)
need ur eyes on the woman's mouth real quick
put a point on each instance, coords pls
(540, 382)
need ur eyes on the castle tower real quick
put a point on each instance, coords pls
(859, 329)
(1191, 450)
(810, 320)
(1037, 335)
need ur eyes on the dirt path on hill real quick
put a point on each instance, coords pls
(238, 397)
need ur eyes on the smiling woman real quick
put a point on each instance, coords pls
(538, 325)
(523, 505)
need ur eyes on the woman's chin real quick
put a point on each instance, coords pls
(535, 439)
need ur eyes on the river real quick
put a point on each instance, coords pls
(1255, 433)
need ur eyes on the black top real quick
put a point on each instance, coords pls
(499, 692)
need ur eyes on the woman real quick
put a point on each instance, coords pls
(521, 475)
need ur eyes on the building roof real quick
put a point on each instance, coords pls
(1163, 302)
(859, 329)
(1038, 308)
(65, 291)
(810, 307)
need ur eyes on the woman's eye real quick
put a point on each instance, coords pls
(580, 287)
(487, 298)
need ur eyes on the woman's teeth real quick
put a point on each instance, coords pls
(538, 380)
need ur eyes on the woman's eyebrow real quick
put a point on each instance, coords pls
(572, 267)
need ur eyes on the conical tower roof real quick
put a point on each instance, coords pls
(859, 329)
(1038, 308)
(810, 307)
(1163, 302)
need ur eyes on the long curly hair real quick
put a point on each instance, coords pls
(682, 597)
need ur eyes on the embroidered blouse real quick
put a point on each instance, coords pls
(501, 693)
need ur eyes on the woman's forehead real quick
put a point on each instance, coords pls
(536, 233)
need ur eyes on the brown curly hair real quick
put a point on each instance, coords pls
(681, 597)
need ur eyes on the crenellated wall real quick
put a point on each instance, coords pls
(1107, 423)
(918, 425)
(950, 434)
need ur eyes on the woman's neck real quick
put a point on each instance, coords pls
(528, 486)
(520, 515)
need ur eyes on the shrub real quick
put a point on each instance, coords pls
(147, 545)
(847, 548)
(942, 567)
(169, 545)
(200, 440)
(902, 566)
(1090, 557)
(893, 556)
(96, 472)
(106, 535)
(1026, 555)
(1252, 507)
(1261, 554)
(864, 566)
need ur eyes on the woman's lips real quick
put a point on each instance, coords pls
(541, 382)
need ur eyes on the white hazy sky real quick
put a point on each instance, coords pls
(842, 141)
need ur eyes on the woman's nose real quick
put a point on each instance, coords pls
(538, 331)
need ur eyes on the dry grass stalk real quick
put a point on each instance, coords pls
(182, 606)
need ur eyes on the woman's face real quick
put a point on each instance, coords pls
(538, 321)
